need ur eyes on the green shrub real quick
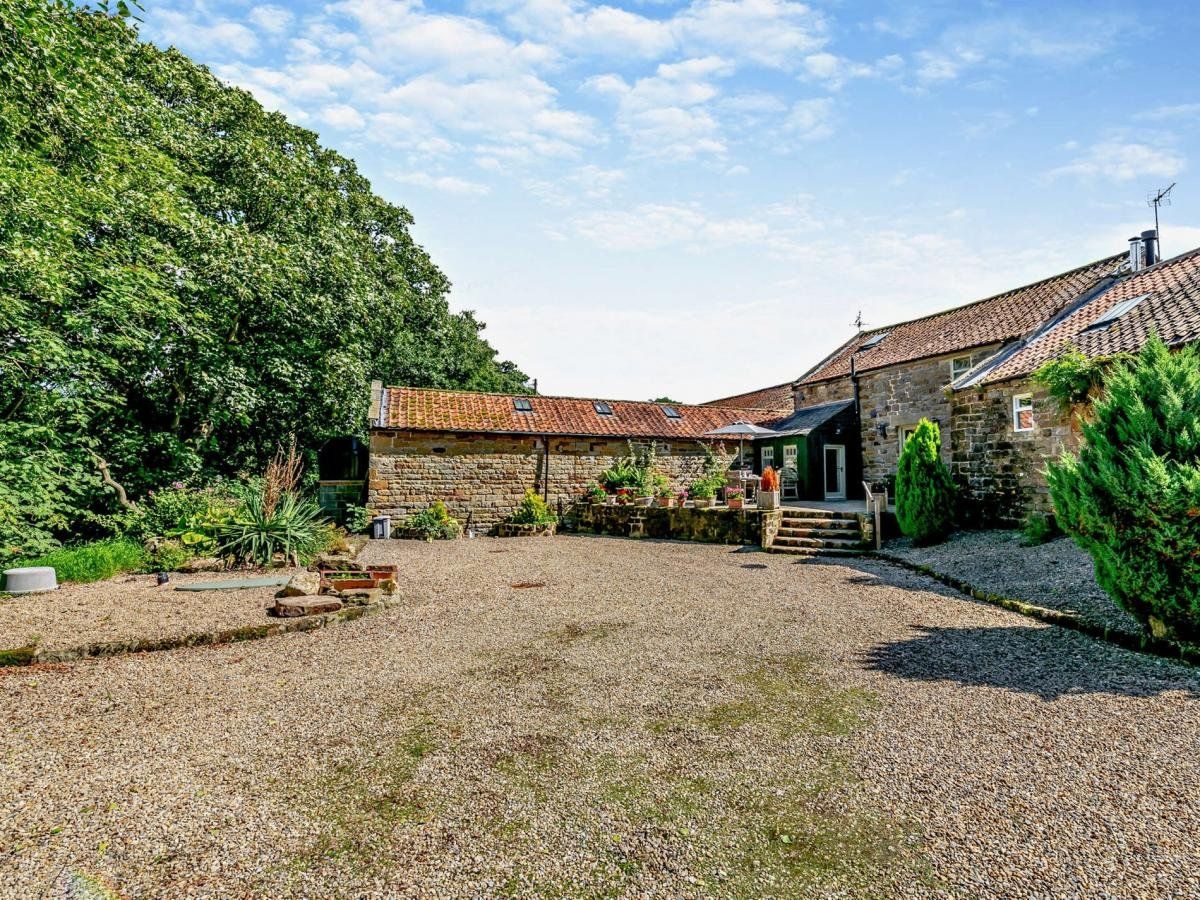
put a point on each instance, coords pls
(167, 556)
(1131, 498)
(1039, 529)
(702, 489)
(1071, 378)
(292, 526)
(92, 562)
(435, 523)
(357, 518)
(532, 511)
(924, 490)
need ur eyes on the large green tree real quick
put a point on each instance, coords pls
(924, 488)
(186, 278)
(1131, 497)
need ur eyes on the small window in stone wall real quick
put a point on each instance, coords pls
(905, 432)
(1023, 413)
(959, 366)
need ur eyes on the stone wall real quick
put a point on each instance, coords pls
(486, 475)
(823, 392)
(717, 525)
(899, 397)
(1000, 472)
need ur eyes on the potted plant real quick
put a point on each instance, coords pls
(703, 493)
(662, 490)
(735, 497)
(768, 491)
(595, 494)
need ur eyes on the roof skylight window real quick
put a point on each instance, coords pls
(1116, 312)
(521, 404)
(873, 340)
(602, 408)
(671, 412)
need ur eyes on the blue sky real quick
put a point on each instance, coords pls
(696, 198)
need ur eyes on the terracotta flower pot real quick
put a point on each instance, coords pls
(736, 503)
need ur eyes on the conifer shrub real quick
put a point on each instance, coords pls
(1131, 497)
(532, 511)
(924, 489)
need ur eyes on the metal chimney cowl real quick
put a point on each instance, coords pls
(1150, 246)
(1135, 253)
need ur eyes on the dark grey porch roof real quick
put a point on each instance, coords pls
(804, 420)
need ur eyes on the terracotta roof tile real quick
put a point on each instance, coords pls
(777, 397)
(423, 409)
(1171, 309)
(993, 320)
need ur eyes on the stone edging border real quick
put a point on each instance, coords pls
(1141, 643)
(28, 656)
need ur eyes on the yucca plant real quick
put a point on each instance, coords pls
(270, 524)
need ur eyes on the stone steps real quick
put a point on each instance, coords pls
(818, 532)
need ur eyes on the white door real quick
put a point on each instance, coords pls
(835, 472)
(768, 457)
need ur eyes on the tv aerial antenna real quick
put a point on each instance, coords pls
(1160, 198)
(858, 322)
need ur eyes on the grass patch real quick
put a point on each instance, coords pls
(96, 561)
(366, 803)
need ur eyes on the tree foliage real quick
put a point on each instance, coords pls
(1071, 378)
(1131, 497)
(186, 278)
(924, 489)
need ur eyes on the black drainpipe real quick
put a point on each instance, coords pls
(857, 416)
(546, 480)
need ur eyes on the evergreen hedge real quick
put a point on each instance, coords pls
(1131, 497)
(924, 490)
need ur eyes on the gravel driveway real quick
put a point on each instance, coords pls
(583, 716)
(1057, 574)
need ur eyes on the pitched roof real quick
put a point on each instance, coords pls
(776, 397)
(804, 420)
(1171, 308)
(993, 320)
(423, 409)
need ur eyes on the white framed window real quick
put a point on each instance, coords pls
(1022, 413)
(768, 456)
(789, 456)
(906, 431)
(959, 366)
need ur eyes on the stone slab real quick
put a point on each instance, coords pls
(233, 584)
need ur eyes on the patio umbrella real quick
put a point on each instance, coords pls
(741, 430)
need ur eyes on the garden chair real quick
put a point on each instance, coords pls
(789, 484)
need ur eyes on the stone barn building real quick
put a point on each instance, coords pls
(479, 453)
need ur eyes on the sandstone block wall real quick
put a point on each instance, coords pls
(899, 397)
(486, 475)
(823, 392)
(1000, 472)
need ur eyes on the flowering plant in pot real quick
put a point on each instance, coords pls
(596, 494)
(702, 492)
(735, 497)
(662, 491)
(624, 496)
(768, 491)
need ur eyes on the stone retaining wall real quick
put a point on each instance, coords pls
(715, 525)
(486, 475)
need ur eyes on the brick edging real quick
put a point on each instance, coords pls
(1141, 643)
(26, 656)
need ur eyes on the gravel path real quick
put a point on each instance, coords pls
(654, 719)
(1057, 574)
(130, 607)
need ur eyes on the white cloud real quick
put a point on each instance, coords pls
(342, 115)
(1063, 40)
(665, 114)
(809, 120)
(772, 33)
(447, 184)
(270, 18)
(203, 35)
(651, 226)
(1178, 111)
(1123, 161)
